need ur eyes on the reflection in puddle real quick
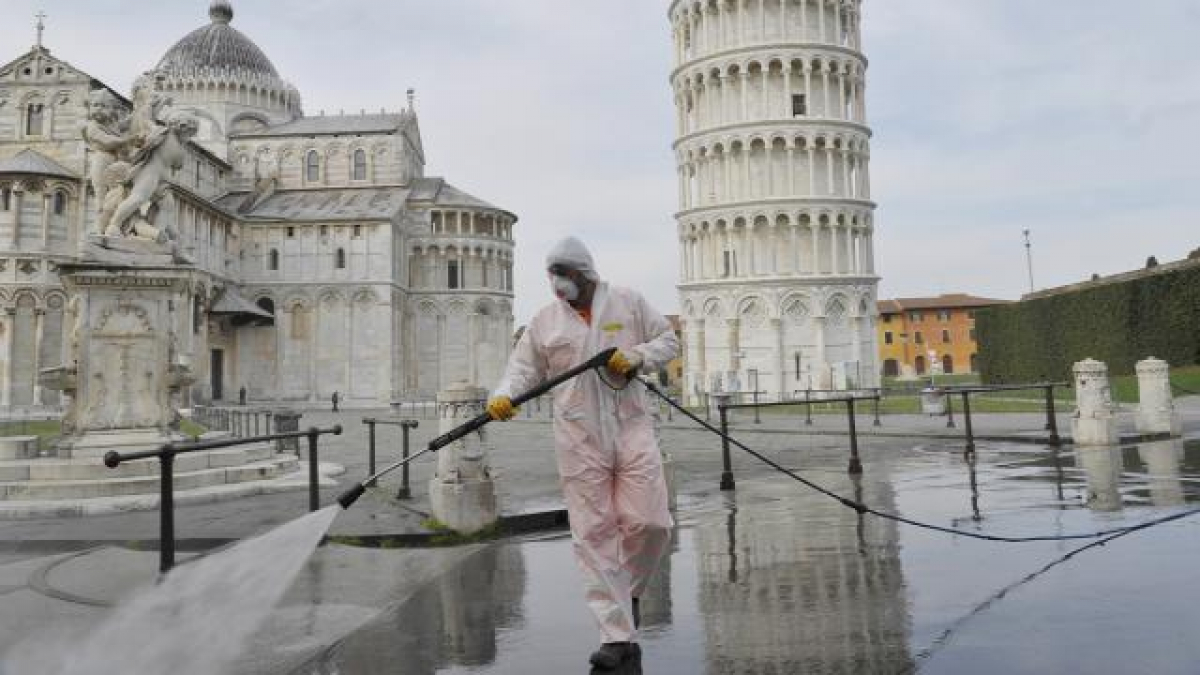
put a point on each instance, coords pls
(803, 585)
(777, 579)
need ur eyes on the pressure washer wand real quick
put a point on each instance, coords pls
(599, 360)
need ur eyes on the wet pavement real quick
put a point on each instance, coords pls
(774, 578)
(769, 578)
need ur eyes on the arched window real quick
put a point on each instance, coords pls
(60, 203)
(340, 259)
(920, 365)
(312, 166)
(273, 260)
(35, 117)
(360, 165)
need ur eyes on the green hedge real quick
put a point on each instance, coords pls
(1118, 323)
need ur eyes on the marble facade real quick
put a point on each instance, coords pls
(325, 259)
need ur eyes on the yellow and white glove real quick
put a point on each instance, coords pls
(501, 408)
(624, 363)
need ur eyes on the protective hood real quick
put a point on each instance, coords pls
(571, 252)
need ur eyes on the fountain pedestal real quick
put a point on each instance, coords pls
(124, 366)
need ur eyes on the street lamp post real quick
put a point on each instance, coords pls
(1029, 259)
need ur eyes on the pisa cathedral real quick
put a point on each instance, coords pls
(325, 259)
(776, 223)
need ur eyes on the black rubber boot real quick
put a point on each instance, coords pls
(612, 654)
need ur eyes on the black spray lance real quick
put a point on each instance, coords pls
(598, 361)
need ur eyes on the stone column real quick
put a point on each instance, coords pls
(815, 229)
(461, 494)
(1094, 422)
(735, 344)
(8, 342)
(856, 324)
(701, 354)
(780, 357)
(821, 367)
(812, 170)
(1156, 409)
(472, 346)
(39, 331)
(47, 206)
(18, 199)
(835, 263)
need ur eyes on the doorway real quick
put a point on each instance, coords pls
(217, 374)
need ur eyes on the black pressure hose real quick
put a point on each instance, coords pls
(600, 360)
(862, 508)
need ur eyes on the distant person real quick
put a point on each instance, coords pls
(609, 464)
(335, 400)
(242, 396)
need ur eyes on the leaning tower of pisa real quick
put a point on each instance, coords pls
(775, 221)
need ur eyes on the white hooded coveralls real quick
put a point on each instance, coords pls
(608, 460)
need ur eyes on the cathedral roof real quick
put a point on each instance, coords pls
(319, 125)
(35, 163)
(216, 47)
(441, 193)
(322, 205)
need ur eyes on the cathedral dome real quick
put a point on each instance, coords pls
(216, 47)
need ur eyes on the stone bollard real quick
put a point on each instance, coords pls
(1094, 422)
(1156, 408)
(461, 493)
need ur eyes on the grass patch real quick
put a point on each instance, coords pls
(192, 429)
(443, 535)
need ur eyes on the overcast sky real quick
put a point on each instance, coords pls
(1076, 119)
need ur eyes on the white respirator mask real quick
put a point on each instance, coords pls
(564, 288)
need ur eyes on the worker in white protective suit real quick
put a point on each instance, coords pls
(608, 461)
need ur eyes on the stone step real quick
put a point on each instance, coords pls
(18, 447)
(136, 485)
(51, 469)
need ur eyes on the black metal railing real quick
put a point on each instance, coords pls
(166, 458)
(414, 409)
(810, 397)
(855, 465)
(406, 425)
(966, 391)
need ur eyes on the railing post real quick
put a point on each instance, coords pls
(757, 419)
(878, 395)
(370, 422)
(967, 416)
(314, 497)
(166, 508)
(405, 492)
(808, 407)
(727, 472)
(855, 462)
(707, 407)
(950, 411)
(1052, 418)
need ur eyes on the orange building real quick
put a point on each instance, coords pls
(920, 335)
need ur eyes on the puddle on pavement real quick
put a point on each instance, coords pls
(774, 579)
